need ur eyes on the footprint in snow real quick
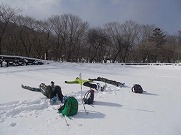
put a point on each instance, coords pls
(13, 124)
(22, 108)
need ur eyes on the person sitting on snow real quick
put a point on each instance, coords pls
(87, 83)
(51, 91)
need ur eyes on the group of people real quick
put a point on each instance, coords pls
(54, 92)
(70, 107)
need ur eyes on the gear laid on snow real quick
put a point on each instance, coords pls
(137, 88)
(89, 97)
(104, 87)
(70, 107)
(118, 84)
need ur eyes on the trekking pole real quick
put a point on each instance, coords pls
(80, 75)
(66, 121)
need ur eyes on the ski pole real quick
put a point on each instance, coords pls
(66, 121)
(80, 75)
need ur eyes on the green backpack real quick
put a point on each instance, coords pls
(70, 107)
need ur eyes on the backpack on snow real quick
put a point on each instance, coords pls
(89, 97)
(137, 88)
(70, 107)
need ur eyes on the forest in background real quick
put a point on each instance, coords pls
(68, 38)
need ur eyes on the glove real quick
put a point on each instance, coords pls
(65, 81)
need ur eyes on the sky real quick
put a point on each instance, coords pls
(162, 13)
(116, 111)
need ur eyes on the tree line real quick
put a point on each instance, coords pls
(68, 38)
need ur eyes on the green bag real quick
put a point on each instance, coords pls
(70, 107)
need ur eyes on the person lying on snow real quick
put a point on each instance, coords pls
(51, 91)
(87, 83)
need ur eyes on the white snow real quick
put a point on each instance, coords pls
(116, 111)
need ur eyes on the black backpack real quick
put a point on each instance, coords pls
(137, 88)
(89, 97)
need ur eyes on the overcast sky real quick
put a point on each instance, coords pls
(165, 14)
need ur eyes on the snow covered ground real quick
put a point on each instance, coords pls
(116, 111)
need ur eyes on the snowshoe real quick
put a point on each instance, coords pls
(42, 87)
(30, 88)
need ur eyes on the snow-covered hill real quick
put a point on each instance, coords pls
(116, 111)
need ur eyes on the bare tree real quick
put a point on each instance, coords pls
(178, 47)
(56, 29)
(74, 31)
(144, 47)
(11, 42)
(168, 53)
(43, 40)
(130, 31)
(69, 30)
(97, 41)
(122, 38)
(158, 39)
(145, 32)
(113, 30)
(27, 34)
(7, 15)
